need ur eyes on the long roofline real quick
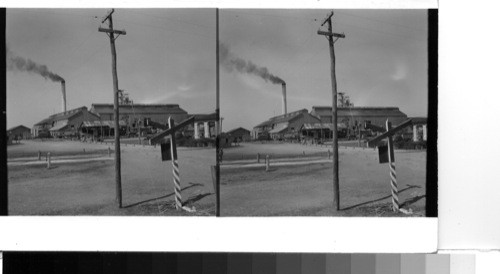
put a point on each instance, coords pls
(138, 105)
(235, 129)
(57, 115)
(12, 128)
(329, 107)
(291, 117)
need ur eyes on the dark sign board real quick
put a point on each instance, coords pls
(166, 154)
(383, 154)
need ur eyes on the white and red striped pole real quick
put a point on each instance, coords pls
(177, 184)
(175, 167)
(392, 167)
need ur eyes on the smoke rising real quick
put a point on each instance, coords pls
(17, 63)
(230, 62)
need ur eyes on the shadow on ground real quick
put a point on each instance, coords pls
(191, 185)
(406, 203)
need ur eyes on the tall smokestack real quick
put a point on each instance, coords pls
(283, 88)
(63, 88)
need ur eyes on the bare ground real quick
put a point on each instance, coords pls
(306, 190)
(89, 188)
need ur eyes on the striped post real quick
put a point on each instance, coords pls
(177, 184)
(394, 187)
(175, 166)
(392, 167)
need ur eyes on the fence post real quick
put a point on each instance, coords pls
(48, 160)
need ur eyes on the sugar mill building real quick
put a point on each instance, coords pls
(134, 114)
(283, 126)
(64, 123)
(352, 116)
(143, 117)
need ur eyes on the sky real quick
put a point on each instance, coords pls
(168, 56)
(381, 62)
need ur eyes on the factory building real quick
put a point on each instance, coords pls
(134, 114)
(65, 123)
(419, 130)
(143, 117)
(285, 126)
(350, 117)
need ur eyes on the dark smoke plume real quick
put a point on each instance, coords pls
(231, 62)
(21, 64)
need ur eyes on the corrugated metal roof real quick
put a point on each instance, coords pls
(20, 126)
(279, 129)
(106, 123)
(61, 116)
(419, 120)
(322, 126)
(359, 111)
(60, 126)
(236, 129)
(282, 118)
(139, 108)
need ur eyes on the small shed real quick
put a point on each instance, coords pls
(238, 135)
(19, 132)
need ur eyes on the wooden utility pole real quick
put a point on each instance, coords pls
(111, 33)
(219, 119)
(329, 34)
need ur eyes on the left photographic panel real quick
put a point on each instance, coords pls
(111, 112)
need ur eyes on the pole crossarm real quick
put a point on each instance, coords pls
(326, 33)
(388, 133)
(122, 32)
(158, 137)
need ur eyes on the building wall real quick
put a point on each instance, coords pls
(377, 116)
(39, 128)
(379, 121)
(134, 120)
(241, 135)
(21, 132)
(296, 124)
(73, 123)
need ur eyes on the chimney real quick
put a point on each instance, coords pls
(63, 88)
(283, 87)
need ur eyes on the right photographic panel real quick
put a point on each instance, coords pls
(328, 113)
